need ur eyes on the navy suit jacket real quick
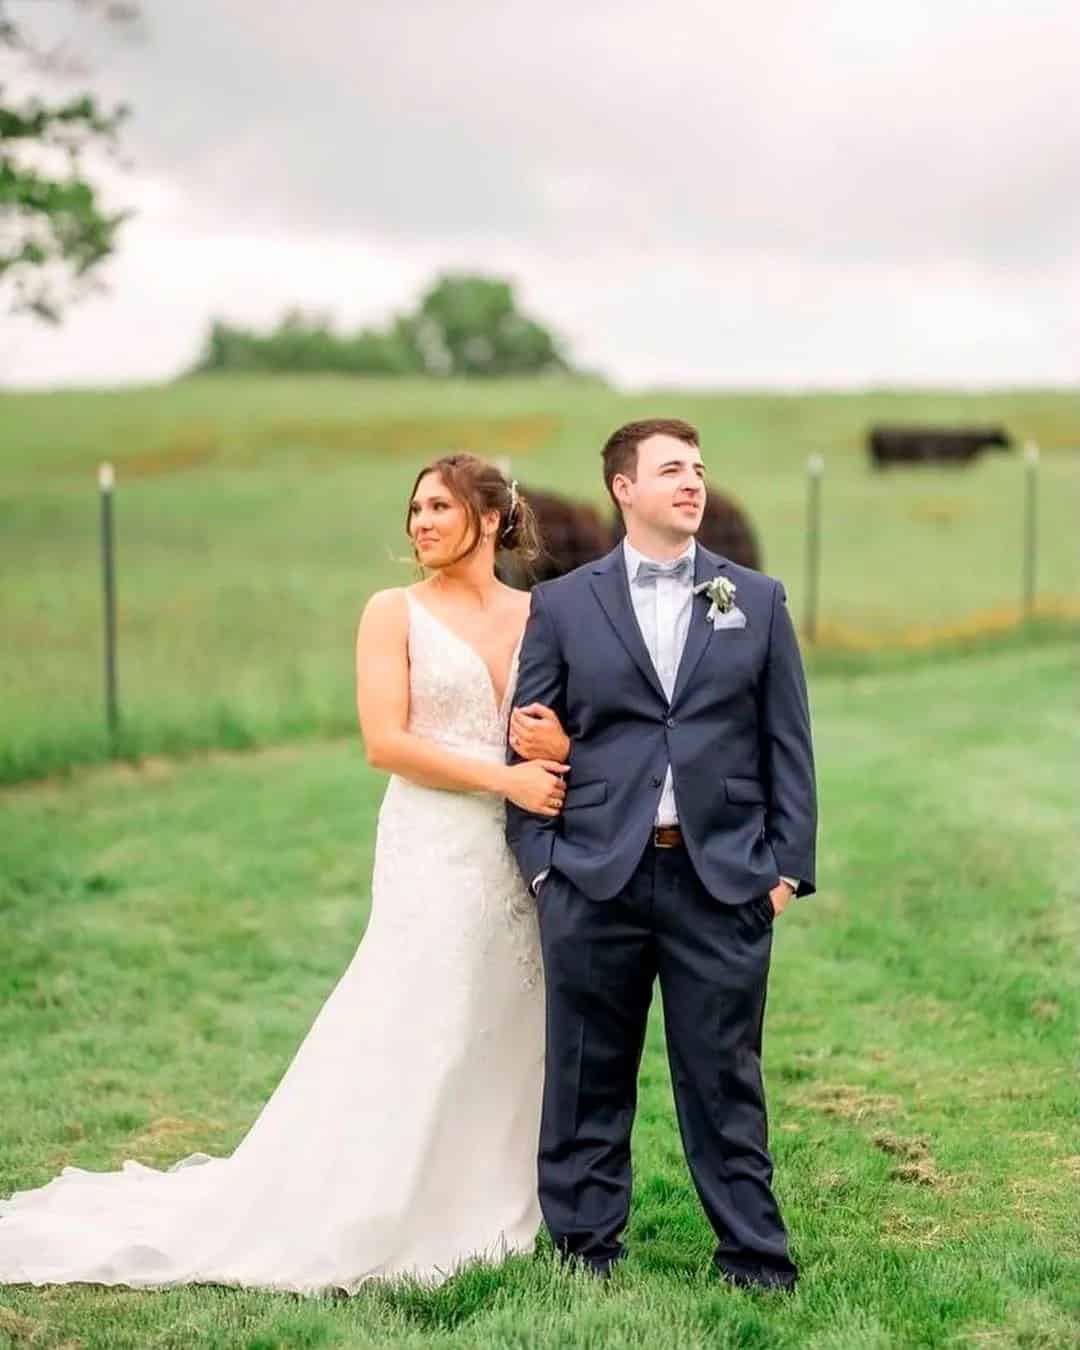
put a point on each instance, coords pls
(736, 734)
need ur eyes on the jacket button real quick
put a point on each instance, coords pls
(671, 721)
(658, 782)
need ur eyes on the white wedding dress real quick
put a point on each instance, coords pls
(402, 1139)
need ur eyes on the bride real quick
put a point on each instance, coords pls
(402, 1139)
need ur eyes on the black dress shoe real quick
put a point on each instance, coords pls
(781, 1281)
(603, 1270)
(599, 1270)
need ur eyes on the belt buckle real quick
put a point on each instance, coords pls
(667, 831)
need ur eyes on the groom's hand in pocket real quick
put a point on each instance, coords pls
(537, 733)
(780, 895)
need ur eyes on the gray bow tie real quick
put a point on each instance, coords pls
(682, 569)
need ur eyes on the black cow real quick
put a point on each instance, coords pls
(932, 445)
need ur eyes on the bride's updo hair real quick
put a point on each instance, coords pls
(480, 488)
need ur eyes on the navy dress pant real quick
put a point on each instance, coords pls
(601, 959)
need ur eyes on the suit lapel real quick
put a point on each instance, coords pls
(707, 565)
(613, 592)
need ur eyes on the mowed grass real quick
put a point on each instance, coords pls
(256, 515)
(171, 932)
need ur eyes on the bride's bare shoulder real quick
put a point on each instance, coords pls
(385, 614)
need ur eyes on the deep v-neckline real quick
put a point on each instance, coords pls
(500, 703)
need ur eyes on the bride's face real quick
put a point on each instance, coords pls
(438, 523)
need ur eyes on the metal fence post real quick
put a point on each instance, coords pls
(106, 481)
(1031, 477)
(815, 469)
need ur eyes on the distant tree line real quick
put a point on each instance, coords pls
(463, 325)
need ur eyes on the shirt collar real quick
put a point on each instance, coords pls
(633, 557)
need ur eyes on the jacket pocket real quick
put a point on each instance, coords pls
(745, 791)
(585, 794)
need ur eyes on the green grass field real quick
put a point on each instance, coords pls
(175, 928)
(256, 515)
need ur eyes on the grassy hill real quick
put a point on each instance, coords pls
(256, 515)
(178, 927)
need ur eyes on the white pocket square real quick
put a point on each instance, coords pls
(734, 618)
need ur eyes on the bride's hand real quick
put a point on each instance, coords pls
(537, 786)
(537, 733)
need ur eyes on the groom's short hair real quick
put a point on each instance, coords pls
(620, 452)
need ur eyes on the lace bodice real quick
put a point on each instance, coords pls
(451, 696)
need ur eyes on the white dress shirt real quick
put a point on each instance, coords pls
(663, 605)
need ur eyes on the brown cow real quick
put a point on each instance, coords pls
(574, 533)
(725, 528)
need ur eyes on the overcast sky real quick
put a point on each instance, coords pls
(783, 192)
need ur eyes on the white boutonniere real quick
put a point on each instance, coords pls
(723, 611)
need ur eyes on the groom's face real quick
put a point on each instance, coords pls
(667, 493)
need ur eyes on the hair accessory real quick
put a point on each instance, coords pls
(515, 497)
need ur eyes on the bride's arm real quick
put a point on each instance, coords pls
(382, 703)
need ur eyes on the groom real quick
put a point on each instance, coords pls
(688, 825)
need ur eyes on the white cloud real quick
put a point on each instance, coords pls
(799, 194)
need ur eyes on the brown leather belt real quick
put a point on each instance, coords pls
(667, 836)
